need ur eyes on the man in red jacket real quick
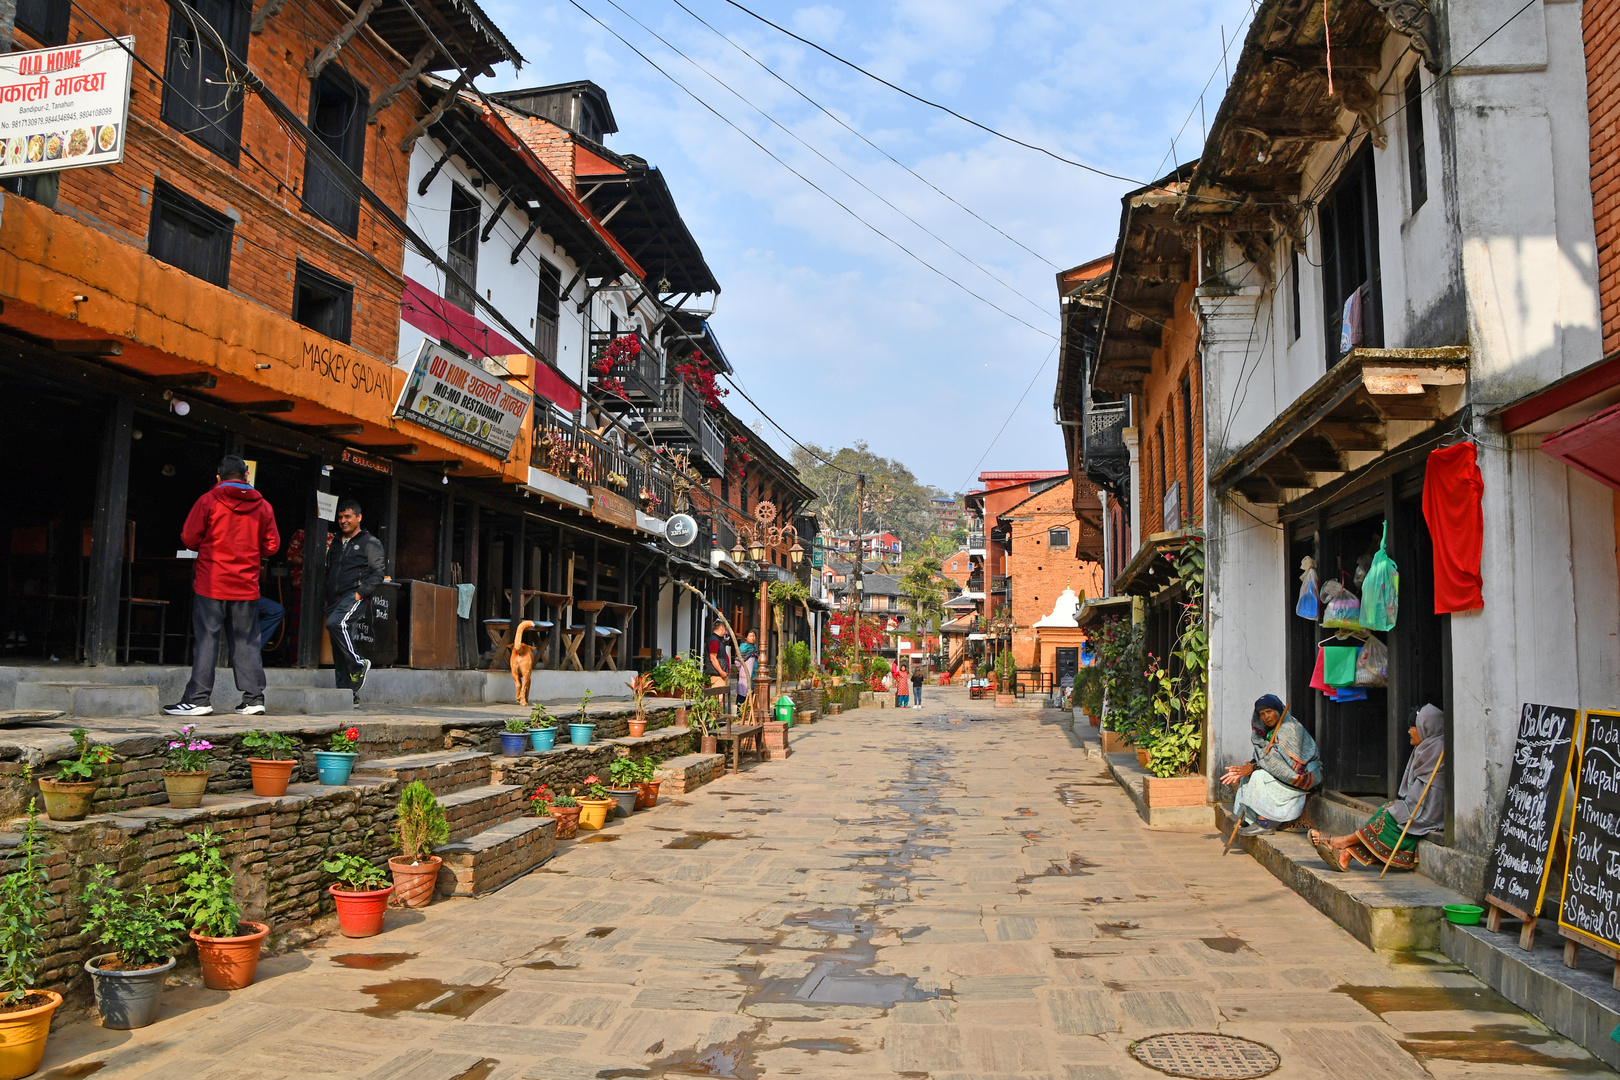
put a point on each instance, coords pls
(233, 530)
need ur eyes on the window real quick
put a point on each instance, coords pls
(1416, 167)
(1350, 277)
(1058, 537)
(546, 315)
(190, 236)
(1293, 285)
(337, 116)
(1164, 479)
(198, 97)
(1186, 441)
(46, 21)
(322, 302)
(462, 250)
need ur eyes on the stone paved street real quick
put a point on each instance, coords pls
(946, 893)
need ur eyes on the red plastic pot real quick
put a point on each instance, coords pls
(360, 914)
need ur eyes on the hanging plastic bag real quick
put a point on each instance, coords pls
(1331, 590)
(1380, 596)
(1343, 612)
(1339, 664)
(1348, 694)
(1317, 682)
(1309, 605)
(1372, 665)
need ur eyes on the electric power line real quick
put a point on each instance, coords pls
(1010, 415)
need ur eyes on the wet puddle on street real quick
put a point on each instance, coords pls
(1388, 999)
(1075, 867)
(372, 961)
(1117, 929)
(698, 839)
(1496, 1044)
(599, 838)
(76, 1071)
(481, 1071)
(1227, 945)
(427, 996)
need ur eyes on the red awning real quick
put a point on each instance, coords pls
(1592, 446)
(439, 319)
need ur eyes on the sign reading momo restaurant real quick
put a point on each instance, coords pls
(461, 400)
(64, 108)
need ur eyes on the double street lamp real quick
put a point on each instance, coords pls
(762, 533)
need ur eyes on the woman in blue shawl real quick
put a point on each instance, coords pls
(1280, 773)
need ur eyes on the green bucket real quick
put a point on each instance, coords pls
(1463, 914)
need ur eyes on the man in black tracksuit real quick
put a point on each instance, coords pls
(355, 564)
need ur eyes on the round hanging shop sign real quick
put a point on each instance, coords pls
(680, 530)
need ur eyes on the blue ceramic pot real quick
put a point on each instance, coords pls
(542, 738)
(580, 734)
(513, 744)
(333, 767)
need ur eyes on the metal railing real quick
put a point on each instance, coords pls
(975, 541)
(567, 451)
(1106, 457)
(998, 582)
(640, 376)
(975, 583)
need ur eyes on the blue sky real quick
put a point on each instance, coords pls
(834, 331)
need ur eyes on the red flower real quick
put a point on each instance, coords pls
(591, 780)
(352, 733)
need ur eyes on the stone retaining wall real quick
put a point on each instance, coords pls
(683, 774)
(568, 766)
(486, 735)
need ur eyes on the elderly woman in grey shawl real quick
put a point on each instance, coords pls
(1391, 835)
(1280, 773)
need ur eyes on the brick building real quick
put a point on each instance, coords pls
(1043, 557)
(1601, 26)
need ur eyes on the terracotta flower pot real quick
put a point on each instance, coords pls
(414, 882)
(1143, 757)
(708, 744)
(680, 716)
(567, 819)
(270, 777)
(638, 728)
(593, 813)
(360, 914)
(186, 789)
(649, 794)
(22, 1037)
(229, 963)
(66, 800)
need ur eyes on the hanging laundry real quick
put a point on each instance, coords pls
(1452, 488)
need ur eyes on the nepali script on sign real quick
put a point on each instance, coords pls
(1516, 877)
(1592, 876)
(64, 108)
(457, 398)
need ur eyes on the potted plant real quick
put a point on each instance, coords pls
(25, 1013)
(563, 809)
(647, 780)
(581, 731)
(639, 687)
(706, 711)
(515, 739)
(185, 774)
(229, 957)
(594, 804)
(542, 729)
(128, 981)
(682, 677)
(69, 794)
(419, 826)
(334, 764)
(625, 787)
(361, 893)
(273, 770)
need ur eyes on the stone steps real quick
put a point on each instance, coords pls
(499, 854)
(307, 700)
(689, 771)
(445, 772)
(472, 809)
(1400, 911)
(90, 699)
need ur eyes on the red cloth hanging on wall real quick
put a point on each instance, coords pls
(1452, 489)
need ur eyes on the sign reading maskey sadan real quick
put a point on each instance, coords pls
(64, 108)
(459, 399)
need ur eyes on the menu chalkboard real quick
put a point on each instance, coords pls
(1589, 911)
(1516, 877)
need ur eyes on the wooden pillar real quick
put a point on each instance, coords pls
(1396, 690)
(390, 515)
(473, 561)
(520, 576)
(107, 531)
(564, 616)
(590, 594)
(311, 614)
(447, 538)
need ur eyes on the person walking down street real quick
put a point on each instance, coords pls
(916, 687)
(233, 530)
(902, 687)
(354, 569)
(1284, 767)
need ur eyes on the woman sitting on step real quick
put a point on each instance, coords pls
(1418, 811)
(1285, 766)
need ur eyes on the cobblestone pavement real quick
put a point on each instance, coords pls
(943, 893)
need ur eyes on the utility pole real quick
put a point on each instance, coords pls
(855, 586)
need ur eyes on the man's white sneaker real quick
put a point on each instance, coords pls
(251, 707)
(186, 708)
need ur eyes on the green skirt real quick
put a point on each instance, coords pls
(1382, 843)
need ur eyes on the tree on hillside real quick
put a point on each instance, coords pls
(896, 501)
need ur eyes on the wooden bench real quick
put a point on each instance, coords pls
(740, 736)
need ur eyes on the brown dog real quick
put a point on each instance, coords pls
(522, 662)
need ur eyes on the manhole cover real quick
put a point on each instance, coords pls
(1206, 1057)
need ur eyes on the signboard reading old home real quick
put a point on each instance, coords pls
(1590, 909)
(459, 399)
(64, 108)
(1516, 876)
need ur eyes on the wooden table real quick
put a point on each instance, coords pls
(594, 609)
(737, 736)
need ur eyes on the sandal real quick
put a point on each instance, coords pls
(1329, 856)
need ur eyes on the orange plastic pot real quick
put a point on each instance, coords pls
(360, 914)
(229, 963)
(649, 794)
(638, 728)
(415, 882)
(22, 1037)
(270, 778)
